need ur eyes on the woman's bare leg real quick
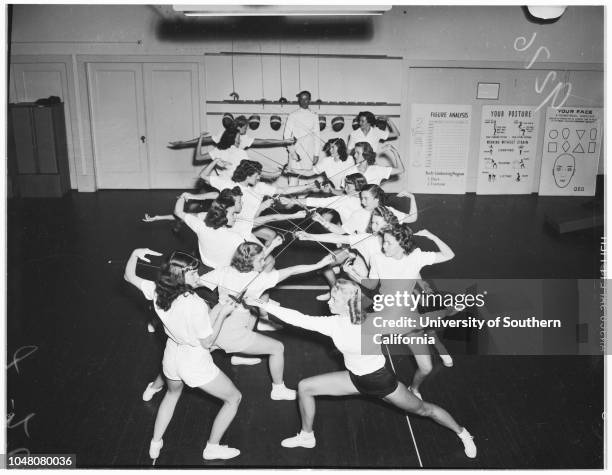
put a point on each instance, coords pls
(166, 408)
(330, 384)
(264, 345)
(222, 387)
(408, 402)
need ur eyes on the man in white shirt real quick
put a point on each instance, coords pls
(303, 124)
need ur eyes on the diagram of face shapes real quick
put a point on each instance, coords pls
(564, 169)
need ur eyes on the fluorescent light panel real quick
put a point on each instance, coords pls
(280, 10)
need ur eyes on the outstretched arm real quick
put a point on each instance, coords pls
(200, 156)
(303, 173)
(293, 317)
(413, 214)
(303, 269)
(273, 142)
(270, 218)
(295, 190)
(445, 253)
(179, 207)
(193, 143)
(396, 161)
(394, 131)
(158, 217)
(130, 268)
(331, 227)
(209, 195)
(331, 238)
(207, 170)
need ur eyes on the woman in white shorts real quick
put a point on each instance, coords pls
(247, 276)
(187, 359)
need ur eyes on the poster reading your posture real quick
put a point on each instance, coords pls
(570, 155)
(508, 137)
(439, 146)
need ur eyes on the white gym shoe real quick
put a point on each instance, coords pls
(241, 360)
(323, 297)
(150, 328)
(150, 392)
(267, 326)
(155, 448)
(280, 392)
(303, 439)
(415, 392)
(215, 451)
(468, 443)
(447, 360)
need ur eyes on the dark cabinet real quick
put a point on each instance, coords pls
(37, 151)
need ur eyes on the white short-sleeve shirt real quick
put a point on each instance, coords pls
(231, 158)
(374, 136)
(408, 267)
(358, 221)
(187, 319)
(216, 246)
(334, 170)
(375, 174)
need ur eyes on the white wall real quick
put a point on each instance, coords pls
(445, 33)
(438, 36)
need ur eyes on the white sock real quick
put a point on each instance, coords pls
(281, 385)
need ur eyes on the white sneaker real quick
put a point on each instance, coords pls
(447, 360)
(415, 392)
(155, 448)
(468, 443)
(280, 392)
(150, 328)
(240, 360)
(267, 326)
(303, 439)
(323, 297)
(215, 451)
(150, 392)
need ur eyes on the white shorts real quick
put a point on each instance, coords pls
(191, 364)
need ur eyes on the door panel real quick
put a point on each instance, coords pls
(118, 123)
(172, 113)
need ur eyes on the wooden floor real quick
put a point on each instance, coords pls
(80, 387)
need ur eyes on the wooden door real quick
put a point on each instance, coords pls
(172, 113)
(116, 101)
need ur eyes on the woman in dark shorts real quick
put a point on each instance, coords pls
(365, 373)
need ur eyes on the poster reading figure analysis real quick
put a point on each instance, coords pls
(439, 146)
(570, 155)
(508, 139)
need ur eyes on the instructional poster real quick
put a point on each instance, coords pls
(439, 147)
(508, 139)
(570, 156)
